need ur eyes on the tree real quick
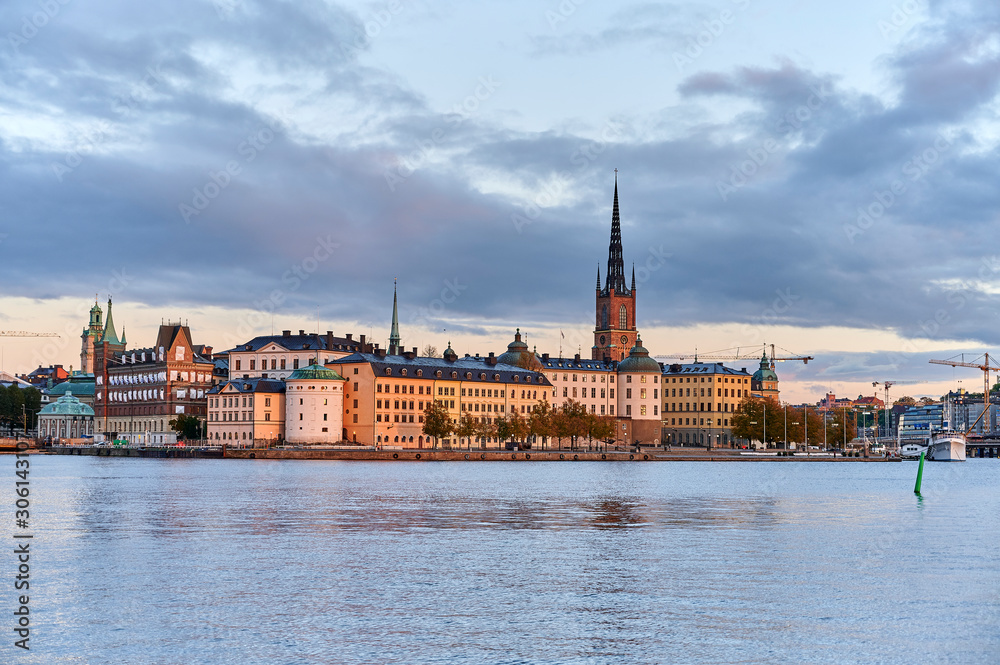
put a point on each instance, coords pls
(570, 422)
(519, 427)
(540, 420)
(749, 420)
(602, 428)
(926, 401)
(906, 400)
(467, 427)
(437, 421)
(504, 429)
(486, 430)
(187, 427)
(430, 351)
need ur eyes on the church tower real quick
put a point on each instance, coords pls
(91, 335)
(615, 332)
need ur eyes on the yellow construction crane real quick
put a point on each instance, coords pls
(21, 333)
(986, 366)
(722, 355)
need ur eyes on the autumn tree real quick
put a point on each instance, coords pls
(467, 427)
(602, 428)
(906, 400)
(187, 427)
(540, 420)
(437, 421)
(570, 422)
(486, 430)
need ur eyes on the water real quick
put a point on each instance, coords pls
(226, 561)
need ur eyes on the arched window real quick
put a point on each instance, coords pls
(622, 318)
(388, 371)
(402, 372)
(420, 372)
(604, 318)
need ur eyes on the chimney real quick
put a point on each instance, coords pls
(410, 355)
(380, 352)
(329, 339)
(302, 332)
(545, 356)
(286, 333)
(577, 357)
(349, 335)
(414, 352)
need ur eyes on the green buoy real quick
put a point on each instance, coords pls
(920, 475)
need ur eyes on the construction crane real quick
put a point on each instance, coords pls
(986, 366)
(21, 333)
(721, 355)
(885, 406)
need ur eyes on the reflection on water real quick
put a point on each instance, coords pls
(191, 561)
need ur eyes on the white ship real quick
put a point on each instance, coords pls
(946, 447)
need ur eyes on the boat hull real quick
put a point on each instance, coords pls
(946, 448)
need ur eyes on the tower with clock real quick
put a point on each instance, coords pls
(614, 332)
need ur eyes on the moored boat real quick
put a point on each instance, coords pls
(946, 447)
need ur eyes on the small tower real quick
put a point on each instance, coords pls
(91, 335)
(394, 341)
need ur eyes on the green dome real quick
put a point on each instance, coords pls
(67, 405)
(765, 373)
(638, 361)
(314, 373)
(518, 355)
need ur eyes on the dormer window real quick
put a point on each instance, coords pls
(482, 377)
(388, 371)
(420, 372)
(454, 375)
(468, 375)
(402, 372)
(438, 374)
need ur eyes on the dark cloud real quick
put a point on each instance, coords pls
(758, 219)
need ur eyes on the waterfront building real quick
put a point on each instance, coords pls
(246, 410)
(615, 330)
(143, 390)
(385, 395)
(590, 382)
(66, 418)
(639, 397)
(698, 402)
(277, 356)
(920, 420)
(105, 349)
(764, 382)
(961, 409)
(314, 405)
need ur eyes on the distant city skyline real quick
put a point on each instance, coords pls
(819, 178)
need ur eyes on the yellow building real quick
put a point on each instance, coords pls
(246, 410)
(699, 400)
(385, 395)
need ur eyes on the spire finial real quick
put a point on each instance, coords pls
(394, 340)
(615, 279)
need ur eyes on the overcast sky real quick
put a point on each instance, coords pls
(818, 177)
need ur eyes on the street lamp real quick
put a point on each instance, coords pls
(805, 417)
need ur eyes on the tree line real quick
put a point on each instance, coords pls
(755, 416)
(18, 405)
(570, 421)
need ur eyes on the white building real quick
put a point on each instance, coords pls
(66, 418)
(314, 405)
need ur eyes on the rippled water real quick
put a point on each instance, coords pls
(227, 561)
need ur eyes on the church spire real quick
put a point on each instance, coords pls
(109, 335)
(598, 276)
(633, 277)
(616, 265)
(394, 332)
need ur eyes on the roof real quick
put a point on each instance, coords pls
(639, 361)
(579, 364)
(67, 405)
(315, 373)
(299, 343)
(78, 384)
(518, 355)
(470, 368)
(702, 368)
(254, 385)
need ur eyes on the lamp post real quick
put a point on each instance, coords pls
(805, 417)
(786, 426)
(765, 424)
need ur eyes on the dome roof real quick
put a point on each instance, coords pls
(67, 405)
(639, 361)
(765, 373)
(78, 384)
(315, 373)
(518, 355)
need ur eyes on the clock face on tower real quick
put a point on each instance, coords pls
(624, 340)
(603, 339)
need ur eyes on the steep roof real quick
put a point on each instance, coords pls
(254, 385)
(67, 405)
(299, 343)
(470, 368)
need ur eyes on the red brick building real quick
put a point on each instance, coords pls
(614, 332)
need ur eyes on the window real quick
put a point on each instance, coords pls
(324, 416)
(300, 401)
(300, 416)
(642, 379)
(253, 364)
(628, 393)
(295, 363)
(622, 318)
(612, 397)
(565, 391)
(642, 410)
(355, 371)
(628, 409)
(642, 393)
(355, 403)
(282, 363)
(238, 365)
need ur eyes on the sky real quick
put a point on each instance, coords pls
(821, 178)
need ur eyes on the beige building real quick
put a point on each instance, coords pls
(639, 397)
(698, 402)
(314, 405)
(66, 418)
(385, 395)
(277, 356)
(246, 410)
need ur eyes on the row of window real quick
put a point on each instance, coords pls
(722, 392)
(231, 416)
(233, 402)
(583, 377)
(642, 410)
(697, 422)
(697, 406)
(726, 379)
